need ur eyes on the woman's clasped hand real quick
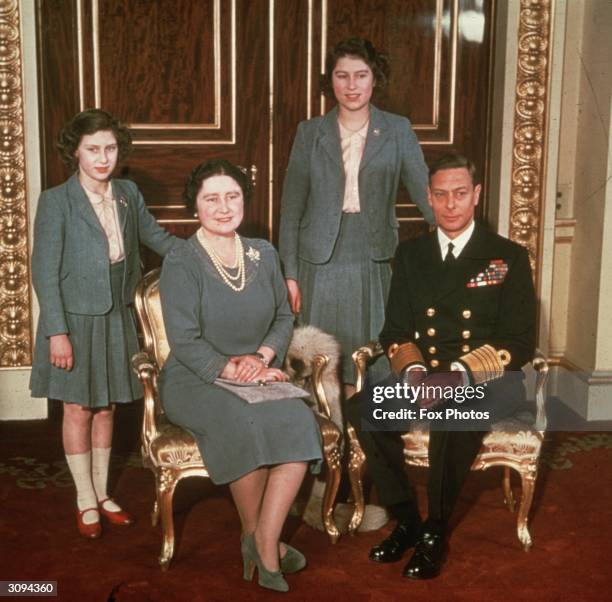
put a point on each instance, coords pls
(251, 368)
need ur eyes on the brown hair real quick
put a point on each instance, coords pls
(453, 161)
(359, 48)
(208, 169)
(89, 122)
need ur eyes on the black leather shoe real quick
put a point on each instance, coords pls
(392, 548)
(428, 557)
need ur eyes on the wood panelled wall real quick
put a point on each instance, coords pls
(197, 79)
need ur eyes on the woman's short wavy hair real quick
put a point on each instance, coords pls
(208, 169)
(89, 122)
(359, 48)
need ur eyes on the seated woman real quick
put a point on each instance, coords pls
(226, 314)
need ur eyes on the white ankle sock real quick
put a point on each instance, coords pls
(80, 469)
(100, 460)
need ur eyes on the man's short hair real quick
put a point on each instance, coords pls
(453, 161)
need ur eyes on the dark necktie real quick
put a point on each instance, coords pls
(450, 258)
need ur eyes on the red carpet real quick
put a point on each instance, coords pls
(571, 525)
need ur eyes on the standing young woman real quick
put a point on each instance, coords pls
(338, 229)
(85, 267)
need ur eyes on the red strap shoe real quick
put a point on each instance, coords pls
(88, 530)
(120, 517)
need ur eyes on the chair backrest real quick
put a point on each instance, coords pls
(536, 377)
(150, 318)
(540, 365)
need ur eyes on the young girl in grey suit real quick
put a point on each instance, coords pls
(338, 229)
(85, 267)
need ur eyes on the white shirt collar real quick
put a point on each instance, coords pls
(362, 132)
(458, 243)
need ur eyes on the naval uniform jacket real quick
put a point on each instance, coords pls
(313, 191)
(485, 297)
(445, 311)
(70, 264)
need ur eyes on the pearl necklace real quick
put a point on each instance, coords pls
(218, 263)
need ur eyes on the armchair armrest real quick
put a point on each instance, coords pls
(319, 364)
(146, 370)
(362, 357)
(540, 365)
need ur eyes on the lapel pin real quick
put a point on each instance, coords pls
(122, 201)
(376, 131)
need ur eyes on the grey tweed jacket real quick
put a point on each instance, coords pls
(70, 265)
(313, 191)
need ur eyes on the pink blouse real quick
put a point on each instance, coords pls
(105, 207)
(352, 144)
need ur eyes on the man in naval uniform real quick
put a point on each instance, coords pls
(461, 312)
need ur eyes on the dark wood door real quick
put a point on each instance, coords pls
(197, 79)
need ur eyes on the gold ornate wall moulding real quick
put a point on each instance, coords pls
(15, 323)
(530, 114)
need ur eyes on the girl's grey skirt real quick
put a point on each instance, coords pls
(102, 348)
(346, 296)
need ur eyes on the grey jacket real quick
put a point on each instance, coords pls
(70, 265)
(313, 191)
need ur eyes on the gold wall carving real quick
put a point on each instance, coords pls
(15, 322)
(530, 114)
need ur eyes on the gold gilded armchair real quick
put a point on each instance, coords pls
(512, 443)
(171, 452)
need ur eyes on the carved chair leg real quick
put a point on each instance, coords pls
(528, 478)
(155, 514)
(507, 487)
(166, 484)
(332, 483)
(356, 469)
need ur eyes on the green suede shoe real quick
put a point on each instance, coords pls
(293, 561)
(250, 559)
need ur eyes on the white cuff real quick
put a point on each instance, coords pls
(412, 367)
(459, 367)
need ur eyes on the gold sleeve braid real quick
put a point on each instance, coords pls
(486, 363)
(402, 356)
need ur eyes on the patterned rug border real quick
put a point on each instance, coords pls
(31, 473)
